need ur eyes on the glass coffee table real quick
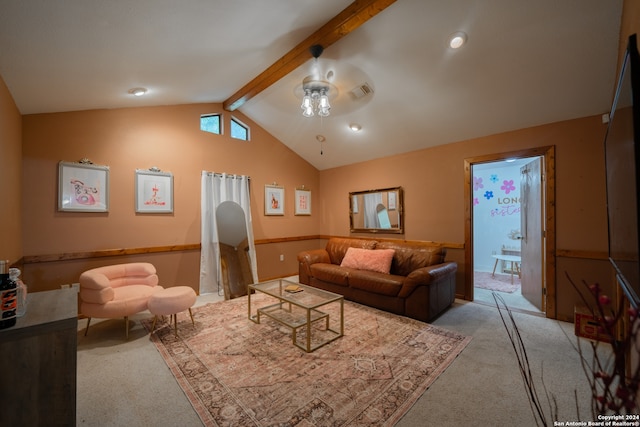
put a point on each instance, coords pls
(298, 306)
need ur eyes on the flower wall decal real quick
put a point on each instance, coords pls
(488, 195)
(477, 183)
(507, 186)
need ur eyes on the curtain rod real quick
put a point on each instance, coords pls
(233, 176)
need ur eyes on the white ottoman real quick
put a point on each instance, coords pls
(170, 302)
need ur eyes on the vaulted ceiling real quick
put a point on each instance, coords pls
(525, 63)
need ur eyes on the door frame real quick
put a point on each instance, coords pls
(549, 185)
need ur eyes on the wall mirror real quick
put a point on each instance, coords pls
(377, 211)
(235, 261)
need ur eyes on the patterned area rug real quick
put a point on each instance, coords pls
(238, 373)
(501, 282)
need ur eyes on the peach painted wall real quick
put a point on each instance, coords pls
(168, 137)
(138, 138)
(10, 176)
(433, 182)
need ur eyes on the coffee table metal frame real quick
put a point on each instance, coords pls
(310, 300)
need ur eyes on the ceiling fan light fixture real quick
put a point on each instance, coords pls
(307, 104)
(316, 92)
(457, 40)
(316, 98)
(323, 104)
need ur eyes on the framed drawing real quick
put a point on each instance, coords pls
(154, 191)
(83, 187)
(303, 202)
(273, 200)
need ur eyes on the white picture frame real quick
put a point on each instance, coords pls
(273, 200)
(83, 187)
(153, 191)
(302, 202)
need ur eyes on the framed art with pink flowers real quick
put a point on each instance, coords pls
(303, 201)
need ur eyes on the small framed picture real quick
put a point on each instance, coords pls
(83, 187)
(154, 191)
(303, 202)
(273, 200)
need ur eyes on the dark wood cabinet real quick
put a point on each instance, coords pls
(38, 362)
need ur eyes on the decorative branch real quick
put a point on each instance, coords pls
(523, 364)
(614, 390)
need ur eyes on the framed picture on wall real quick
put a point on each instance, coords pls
(273, 200)
(83, 187)
(153, 191)
(303, 202)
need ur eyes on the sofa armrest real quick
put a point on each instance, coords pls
(427, 276)
(95, 287)
(306, 258)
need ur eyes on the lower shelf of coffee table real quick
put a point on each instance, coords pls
(296, 318)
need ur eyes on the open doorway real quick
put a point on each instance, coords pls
(503, 246)
(497, 234)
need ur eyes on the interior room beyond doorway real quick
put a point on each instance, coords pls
(497, 233)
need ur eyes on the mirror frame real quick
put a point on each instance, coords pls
(399, 209)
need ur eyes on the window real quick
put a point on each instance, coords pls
(211, 123)
(239, 130)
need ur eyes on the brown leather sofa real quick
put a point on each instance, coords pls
(420, 284)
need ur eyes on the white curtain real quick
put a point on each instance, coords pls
(215, 189)
(371, 201)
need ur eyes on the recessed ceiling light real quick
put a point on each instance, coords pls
(137, 91)
(457, 40)
(355, 127)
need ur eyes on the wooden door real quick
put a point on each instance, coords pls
(532, 220)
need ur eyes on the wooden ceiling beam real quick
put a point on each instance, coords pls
(356, 14)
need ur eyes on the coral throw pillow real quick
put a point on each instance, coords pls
(368, 259)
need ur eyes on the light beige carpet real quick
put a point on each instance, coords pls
(236, 372)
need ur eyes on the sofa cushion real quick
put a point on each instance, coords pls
(377, 283)
(378, 260)
(337, 247)
(409, 257)
(330, 273)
